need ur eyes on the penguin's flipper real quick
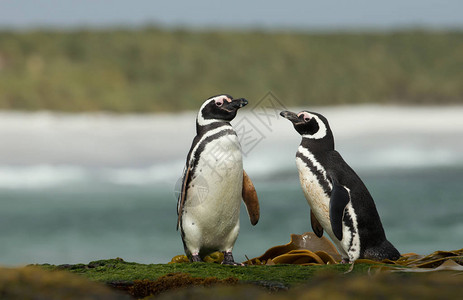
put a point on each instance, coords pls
(182, 196)
(250, 199)
(316, 226)
(339, 199)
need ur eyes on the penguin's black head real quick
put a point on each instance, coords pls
(309, 124)
(219, 108)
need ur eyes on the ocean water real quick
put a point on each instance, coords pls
(77, 188)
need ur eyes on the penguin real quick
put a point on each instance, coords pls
(214, 183)
(339, 201)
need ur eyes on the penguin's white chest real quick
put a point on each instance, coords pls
(318, 200)
(214, 195)
(220, 170)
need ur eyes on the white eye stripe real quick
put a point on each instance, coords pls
(200, 118)
(321, 133)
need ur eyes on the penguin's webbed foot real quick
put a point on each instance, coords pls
(196, 258)
(229, 260)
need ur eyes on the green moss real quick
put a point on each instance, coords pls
(187, 280)
(114, 270)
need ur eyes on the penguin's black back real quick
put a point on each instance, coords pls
(318, 140)
(372, 236)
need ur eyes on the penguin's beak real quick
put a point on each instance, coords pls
(236, 104)
(290, 116)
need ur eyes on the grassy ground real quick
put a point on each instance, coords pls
(159, 70)
(140, 280)
(117, 270)
(187, 281)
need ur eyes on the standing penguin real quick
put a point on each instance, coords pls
(214, 183)
(339, 201)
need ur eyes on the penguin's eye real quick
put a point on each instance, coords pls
(219, 103)
(305, 116)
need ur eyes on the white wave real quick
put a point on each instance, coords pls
(258, 166)
(52, 176)
(39, 176)
(406, 157)
(108, 140)
(163, 173)
(44, 150)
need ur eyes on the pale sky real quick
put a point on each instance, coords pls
(210, 14)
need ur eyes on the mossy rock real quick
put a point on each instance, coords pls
(36, 283)
(334, 286)
(144, 288)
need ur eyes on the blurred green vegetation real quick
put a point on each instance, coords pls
(150, 69)
(117, 270)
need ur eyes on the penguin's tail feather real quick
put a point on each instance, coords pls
(385, 250)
